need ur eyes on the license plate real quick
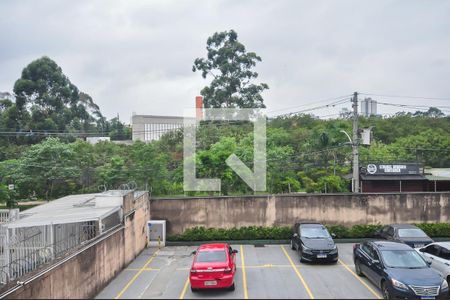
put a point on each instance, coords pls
(427, 297)
(211, 282)
(321, 256)
(420, 246)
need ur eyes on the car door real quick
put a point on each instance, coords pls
(431, 254)
(390, 234)
(387, 232)
(296, 236)
(232, 258)
(377, 268)
(441, 261)
(366, 260)
(373, 264)
(444, 255)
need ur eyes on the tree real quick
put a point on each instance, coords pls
(47, 169)
(53, 101)
(230, 65)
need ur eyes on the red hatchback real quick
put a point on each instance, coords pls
(214, 266)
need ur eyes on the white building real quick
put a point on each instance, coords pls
(368, 107)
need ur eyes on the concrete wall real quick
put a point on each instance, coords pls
(86, 273)
(285, 210)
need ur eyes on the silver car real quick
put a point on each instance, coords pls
(438, 256)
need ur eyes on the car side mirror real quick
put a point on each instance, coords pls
(194, 252)
(422, 249)
(234, 251)
(295, 235)
(333, 235)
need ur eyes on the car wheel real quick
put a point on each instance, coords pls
(232, 287)
(385, 291)
(194, 290)
(358, 268)
(292, 245)
(301, 256)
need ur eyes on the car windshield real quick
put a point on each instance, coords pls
(403, 259)
(212, 256)
(314, 232)
(411, 233)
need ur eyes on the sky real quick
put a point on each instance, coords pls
(136, 56)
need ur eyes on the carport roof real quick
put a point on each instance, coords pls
(438, 174)
(392, 177)
(69, 209)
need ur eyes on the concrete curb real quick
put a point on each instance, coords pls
(276, 242)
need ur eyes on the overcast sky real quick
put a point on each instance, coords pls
(137, 56)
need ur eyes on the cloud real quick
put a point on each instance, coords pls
(136, 56)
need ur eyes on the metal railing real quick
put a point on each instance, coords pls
(25, 249)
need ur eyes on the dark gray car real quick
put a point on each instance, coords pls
(313, 242)
(405, 233)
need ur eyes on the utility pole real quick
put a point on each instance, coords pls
(355, 144)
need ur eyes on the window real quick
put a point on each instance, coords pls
(368, 250)
(390, 231)
(444, 253)
(411, 233)
(432, 249)
(403, 259)
(212, 256)
(314, 232)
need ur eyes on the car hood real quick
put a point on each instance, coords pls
(420, 277)
(318, 244)
(412, 241)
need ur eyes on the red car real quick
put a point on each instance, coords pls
(214, 266)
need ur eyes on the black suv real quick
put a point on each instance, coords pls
(405, 233)
(313, 242)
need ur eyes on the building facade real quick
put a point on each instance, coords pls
(149, 128)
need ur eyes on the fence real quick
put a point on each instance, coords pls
(25, 249)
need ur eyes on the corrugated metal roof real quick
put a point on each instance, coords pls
(69, 209)
(392, 177)
(437, 174)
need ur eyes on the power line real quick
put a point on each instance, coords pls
(332, 104)
(412, 97)
(311, 103)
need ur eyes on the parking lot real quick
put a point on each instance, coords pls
(272, 271)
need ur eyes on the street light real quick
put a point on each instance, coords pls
(355, 177)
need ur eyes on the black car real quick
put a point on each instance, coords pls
(398, 270)
(313, 242)
(405, 233)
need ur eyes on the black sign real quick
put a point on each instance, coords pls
(392, 169)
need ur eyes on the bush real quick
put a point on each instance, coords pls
(435, 229)
(285, 233)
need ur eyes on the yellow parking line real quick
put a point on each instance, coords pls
(183, 292)
(146, 269)
(244, 276)
(298, 273)
(360, 280)
(137, 275)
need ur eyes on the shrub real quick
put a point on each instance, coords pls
(285, 233)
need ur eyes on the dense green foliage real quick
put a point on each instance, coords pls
(285, 233)
(299, 158)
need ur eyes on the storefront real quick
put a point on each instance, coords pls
(404, 177)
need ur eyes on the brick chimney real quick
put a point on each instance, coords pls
(199, 107)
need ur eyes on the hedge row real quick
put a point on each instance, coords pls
(284, 233)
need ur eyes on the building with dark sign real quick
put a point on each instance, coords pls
(401, 177)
